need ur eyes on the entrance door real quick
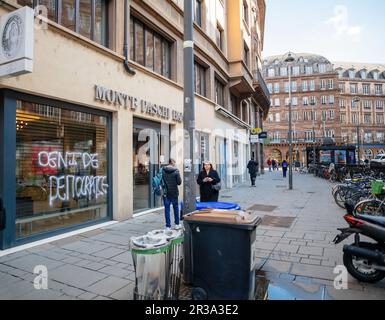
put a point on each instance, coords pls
(149, 152)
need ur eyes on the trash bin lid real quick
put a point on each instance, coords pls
(167, 234)
(150, 244)
(217, 205)
(233, 217)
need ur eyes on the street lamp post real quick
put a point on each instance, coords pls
(189, 197)
(313, 118)
(289, 59)
(356, 100)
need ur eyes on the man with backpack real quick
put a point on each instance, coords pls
(170, 181)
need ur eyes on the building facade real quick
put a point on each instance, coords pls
(315, 112)
(85, 132)
(361, 104)
(342, 101)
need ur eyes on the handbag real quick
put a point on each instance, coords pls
(217, 186)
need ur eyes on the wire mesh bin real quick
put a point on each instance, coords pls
(151, 257)
(176, 267)
(176, 239)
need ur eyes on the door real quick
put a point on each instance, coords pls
(149, 151)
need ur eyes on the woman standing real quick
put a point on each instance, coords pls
(208, 180)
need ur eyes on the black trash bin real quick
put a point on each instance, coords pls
(220, 254)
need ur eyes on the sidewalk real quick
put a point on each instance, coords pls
(294, 252)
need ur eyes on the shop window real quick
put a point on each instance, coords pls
(61, 168)
(150, 49)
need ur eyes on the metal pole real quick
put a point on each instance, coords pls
(189, 183)
(358, 145)
(290, 137)
(314, 155)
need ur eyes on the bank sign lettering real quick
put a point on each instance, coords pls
(129, 102)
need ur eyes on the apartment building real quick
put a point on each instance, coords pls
(315, 112)
(361, 104)
(87, 129)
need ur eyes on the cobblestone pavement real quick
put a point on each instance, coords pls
(295, 256)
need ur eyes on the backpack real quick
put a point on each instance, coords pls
(157, 183)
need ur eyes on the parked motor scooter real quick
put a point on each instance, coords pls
(365, 261)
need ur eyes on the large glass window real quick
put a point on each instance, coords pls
(87, 17)
(61, 168)
(150, 49)
(68, 14)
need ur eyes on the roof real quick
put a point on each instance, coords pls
(300, 57)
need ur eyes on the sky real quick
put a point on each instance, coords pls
(340, 30)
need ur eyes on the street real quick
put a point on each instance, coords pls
(295, 256)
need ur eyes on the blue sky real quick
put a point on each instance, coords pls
(340, 30)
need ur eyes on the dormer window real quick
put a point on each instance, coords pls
(322, 68)
(363, 74)
(352, 74)
(375, 75)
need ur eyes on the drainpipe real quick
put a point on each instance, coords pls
(125, 45)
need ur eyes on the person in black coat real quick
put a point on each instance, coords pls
(207, 178)
(170, 181)
(253, 170)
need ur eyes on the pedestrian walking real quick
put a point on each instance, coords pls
(269, 164)
(284, 167)
(170, 181)
(274, 164)
(209, 183)
(297, 165)
(253, 170)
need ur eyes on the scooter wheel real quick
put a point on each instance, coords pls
(360, 268)
(198, 294)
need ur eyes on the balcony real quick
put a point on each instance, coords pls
(261, 94)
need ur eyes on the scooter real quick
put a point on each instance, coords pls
(365, 261)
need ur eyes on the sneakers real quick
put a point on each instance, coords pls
(168, 228)
(178, 227)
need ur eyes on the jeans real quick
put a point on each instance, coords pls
(252, 178)
(284, 170)
(167, 203)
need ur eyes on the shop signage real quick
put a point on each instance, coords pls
(254, 138)
(135, 104)
(16, 42)
(255, 131)
(263, 135)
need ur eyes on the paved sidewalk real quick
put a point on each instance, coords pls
(295, 255)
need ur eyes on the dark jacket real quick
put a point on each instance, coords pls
(207, 193)
(284, 165)
(171, 181)
(253, 167)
